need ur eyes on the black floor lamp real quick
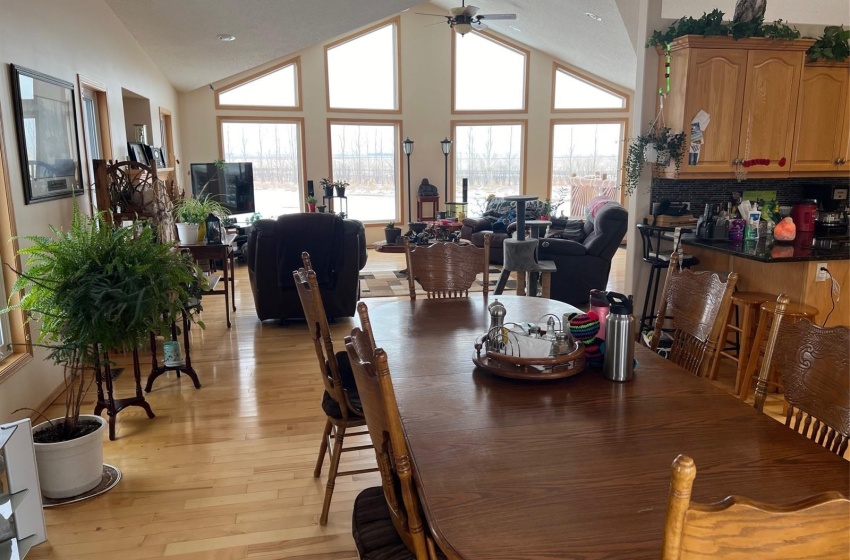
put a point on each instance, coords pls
(407, 146)
(446, 146)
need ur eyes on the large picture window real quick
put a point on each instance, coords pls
(491, 157)
(586, 162)
(363, 71)
(489, 75)
(277, 88)
(365, 155)
(572, 92)
(274, 146)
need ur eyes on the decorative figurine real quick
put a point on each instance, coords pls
(584, 328)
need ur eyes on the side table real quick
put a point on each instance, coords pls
(224, 253)
(186, 367)
(106, 401)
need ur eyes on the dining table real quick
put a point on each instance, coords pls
(577, 467)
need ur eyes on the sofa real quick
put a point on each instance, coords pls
(583, 254)
(337, 249)
(499, 220)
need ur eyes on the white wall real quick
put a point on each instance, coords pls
(63, 39)
(426, 111)
(817, 13)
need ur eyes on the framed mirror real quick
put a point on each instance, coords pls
(46, 121)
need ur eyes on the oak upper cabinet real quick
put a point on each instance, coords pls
(748, 88)
(823, 119)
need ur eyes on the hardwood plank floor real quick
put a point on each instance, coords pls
(225, 472)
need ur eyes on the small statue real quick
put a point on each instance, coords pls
(749, 10)
(427, 189)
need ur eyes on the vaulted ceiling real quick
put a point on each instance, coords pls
(182, 36)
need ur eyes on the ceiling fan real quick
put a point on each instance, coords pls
(466, 18)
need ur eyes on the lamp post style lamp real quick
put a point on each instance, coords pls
(407, 146)
(446, 146)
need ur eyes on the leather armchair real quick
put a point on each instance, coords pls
(337, 250)
(585, 265)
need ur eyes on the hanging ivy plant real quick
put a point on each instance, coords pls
(834, 44)
(712, 25)
(666, 146)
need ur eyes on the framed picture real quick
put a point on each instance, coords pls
(137, 152)
(46, 121)
(158, 157)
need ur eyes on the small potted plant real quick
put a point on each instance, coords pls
(93, 288)
(311, 203)
(340, 187)
(328, 186)
(191, 213)
(321, 208)
(659, 147)
(392, 233)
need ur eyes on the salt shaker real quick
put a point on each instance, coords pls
(497, 314)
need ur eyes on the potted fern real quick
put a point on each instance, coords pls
(93, 288)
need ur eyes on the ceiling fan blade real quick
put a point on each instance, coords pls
(435, 15)
(478, 25)
(438, 23)
(497, 16)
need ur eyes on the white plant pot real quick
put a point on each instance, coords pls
(188, 233)
(70, 468)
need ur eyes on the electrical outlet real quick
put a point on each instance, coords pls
(821, 275)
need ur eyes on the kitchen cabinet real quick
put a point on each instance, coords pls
(749, 88)
(21, 519)
(822, 136)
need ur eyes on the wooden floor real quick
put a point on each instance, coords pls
(225, 472)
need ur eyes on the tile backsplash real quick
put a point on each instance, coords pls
(700, 192)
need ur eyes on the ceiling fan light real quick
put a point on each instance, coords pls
(463, 28)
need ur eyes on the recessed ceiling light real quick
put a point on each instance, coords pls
(226, 37)
(593, 16)
(517, 29)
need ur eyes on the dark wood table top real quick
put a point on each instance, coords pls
(577, 467)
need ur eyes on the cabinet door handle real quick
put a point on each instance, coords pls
(843, 161)
(735, 161)
(837, 161)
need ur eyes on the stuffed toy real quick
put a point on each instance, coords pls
(584, 328)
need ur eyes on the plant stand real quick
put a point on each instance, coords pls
(106, 401)
(157, 370)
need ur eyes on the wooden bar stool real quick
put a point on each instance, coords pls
(793, 313)
(746, 311)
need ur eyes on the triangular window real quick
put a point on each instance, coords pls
(362, 72)
(574, 92)
(489, 75)
(277, 88)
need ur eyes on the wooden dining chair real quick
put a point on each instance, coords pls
(696, 305)
(737, 528)
(447, 270)
(340, 401)
(813, 364)
(387, 523)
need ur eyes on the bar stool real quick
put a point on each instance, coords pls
(747, 306)
(793, 313)
(652, 236)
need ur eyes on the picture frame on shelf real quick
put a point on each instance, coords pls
(50, 159)
(157, 156)
(137, 152)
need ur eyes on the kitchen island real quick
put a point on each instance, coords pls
(764, 265)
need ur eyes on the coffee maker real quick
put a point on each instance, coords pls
(832, 207)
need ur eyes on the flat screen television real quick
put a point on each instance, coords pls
(232, 187)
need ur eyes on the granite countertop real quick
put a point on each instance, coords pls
(767, 250)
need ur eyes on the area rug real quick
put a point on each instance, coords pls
(394, 283)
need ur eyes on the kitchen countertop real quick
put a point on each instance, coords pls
(767, 250)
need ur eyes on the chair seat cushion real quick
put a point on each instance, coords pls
(329, 405)
(373, 530)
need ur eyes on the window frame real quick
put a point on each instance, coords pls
(400, 187)
(507, 44)
(490, 122)
(624, 131)
(101, 102)
(590, 80)
(295, 61)
(396, 21)
(299, 121)
(18, 330)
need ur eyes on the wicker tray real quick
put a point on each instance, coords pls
(535, 369)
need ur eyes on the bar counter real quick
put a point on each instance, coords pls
(765, 266)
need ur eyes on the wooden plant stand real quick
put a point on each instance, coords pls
(157, 370)
(106, 401)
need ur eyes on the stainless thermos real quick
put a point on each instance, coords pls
(619, 339)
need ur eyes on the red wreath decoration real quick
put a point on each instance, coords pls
(758, 161)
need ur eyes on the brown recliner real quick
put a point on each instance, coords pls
(337, 250)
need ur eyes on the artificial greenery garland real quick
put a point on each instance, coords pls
(834, 44)
(712, 25)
